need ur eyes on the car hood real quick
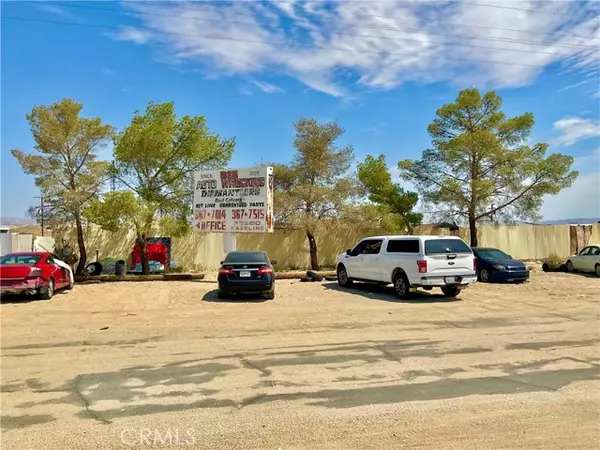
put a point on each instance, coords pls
(507, 262)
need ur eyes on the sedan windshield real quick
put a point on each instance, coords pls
(246, 257)
(14, 260)
(492, 254)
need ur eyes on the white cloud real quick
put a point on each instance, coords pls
(267, 88)
(134, 35)
(575, 129)
(380, 44)
(57, 11)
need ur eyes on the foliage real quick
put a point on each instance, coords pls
(481, 167)
(314, 189)
(555, 259)
(155, 158)
(395, 203)
(65, 166)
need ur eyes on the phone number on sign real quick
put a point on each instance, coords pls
(255, 214)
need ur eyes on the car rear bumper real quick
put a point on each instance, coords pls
(27, 286)
(246, 287)
(453, 280)
(506, 275)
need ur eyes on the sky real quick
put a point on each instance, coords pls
(252, 68)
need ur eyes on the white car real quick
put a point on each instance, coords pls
(409, 262)
(587, 260)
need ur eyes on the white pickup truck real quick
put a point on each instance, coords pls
(409, 262)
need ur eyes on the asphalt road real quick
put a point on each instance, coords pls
(505, 366)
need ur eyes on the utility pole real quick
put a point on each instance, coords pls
(41, 197)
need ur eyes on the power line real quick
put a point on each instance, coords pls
(332, 32)
(24, 19)
(484, 5)
(508, 40)
(407, 30)
(515, 8)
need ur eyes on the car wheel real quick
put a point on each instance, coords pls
(451, 291)
(47, 292)
(597, 270)
(270, 295)
(570, 266)
(342, 277)
(401, 286)
(484, 276)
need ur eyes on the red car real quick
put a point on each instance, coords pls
(32, 273)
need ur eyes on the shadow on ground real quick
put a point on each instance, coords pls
(386, 293)
(211, 296)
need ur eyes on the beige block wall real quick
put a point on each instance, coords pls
(290, 248)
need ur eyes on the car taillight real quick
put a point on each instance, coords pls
(265, 270)
(422, 266)
(35, 272)
(474, 263)
(225, 271)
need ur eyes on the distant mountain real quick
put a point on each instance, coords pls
(19, 221)
(586, 220)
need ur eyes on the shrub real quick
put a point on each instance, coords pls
(553, 258)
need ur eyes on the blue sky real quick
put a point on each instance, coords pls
(252, 68)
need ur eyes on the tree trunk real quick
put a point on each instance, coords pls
(473, 230)
(81, 245)
(144, 255)
(312, 243)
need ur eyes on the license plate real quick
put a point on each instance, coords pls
(452, 280)
(245, 274)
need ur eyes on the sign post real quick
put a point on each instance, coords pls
(233, 201)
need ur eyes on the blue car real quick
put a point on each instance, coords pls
(494, 265)
(248, 272)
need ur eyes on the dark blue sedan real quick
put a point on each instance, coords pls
(495, 265)
(248, 272)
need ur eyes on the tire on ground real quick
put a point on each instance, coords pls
(401, 285)
(451, 291)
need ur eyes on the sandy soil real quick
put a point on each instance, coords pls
(505, 366)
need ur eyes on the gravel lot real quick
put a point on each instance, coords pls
(505, 366)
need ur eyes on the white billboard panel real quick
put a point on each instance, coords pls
(234, 200)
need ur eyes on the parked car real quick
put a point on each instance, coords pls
(247, 272)
(409, 262)
(587, 260)
(32, 273)
(495, 265)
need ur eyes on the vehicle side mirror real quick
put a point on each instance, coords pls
(273, 263)
(349, 252)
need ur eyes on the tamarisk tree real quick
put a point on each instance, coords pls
(481, 167)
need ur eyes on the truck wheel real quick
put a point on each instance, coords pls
(451, 291)
(47, 292)
(342, 276)
(401, 286)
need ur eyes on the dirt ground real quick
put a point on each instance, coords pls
(504, 366)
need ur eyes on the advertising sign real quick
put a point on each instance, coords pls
(234, 200)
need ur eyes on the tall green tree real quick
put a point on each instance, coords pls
(315, 188)
(481, 167)
(65, 164)
(396, 204)
(155, 158)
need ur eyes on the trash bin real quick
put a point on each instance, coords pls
(120, 267)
